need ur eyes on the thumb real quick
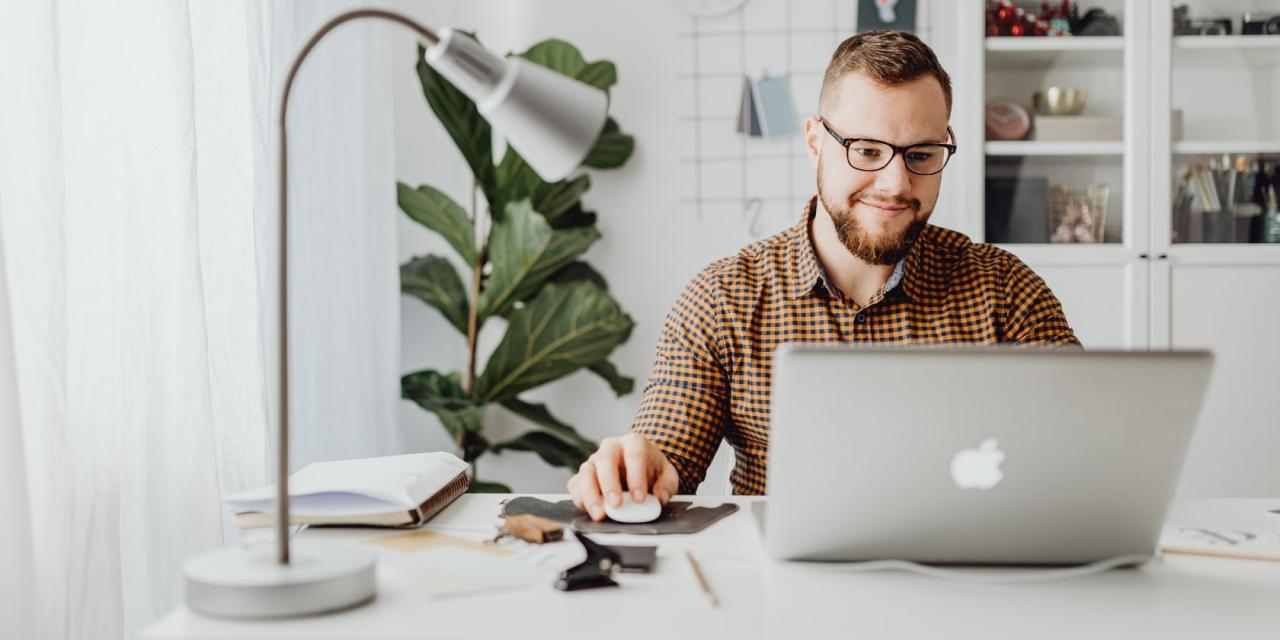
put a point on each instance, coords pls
(668, 482)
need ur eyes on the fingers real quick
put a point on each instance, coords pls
(632, 459)
(637, 462)
(668, 482)
(606, 462)
(585, 491)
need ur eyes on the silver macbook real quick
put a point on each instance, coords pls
(975, 455)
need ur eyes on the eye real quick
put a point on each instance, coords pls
(866, 152)
(920, 156)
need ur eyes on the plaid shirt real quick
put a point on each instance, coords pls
(711, 378)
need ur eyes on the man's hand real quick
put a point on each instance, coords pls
(629, 459)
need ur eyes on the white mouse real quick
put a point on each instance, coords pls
(631, 512)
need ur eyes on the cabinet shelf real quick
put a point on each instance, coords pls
(1201, 43)
(1196, 147)
(1055, 44)
(1054, 148)
(1196, 52)
(1021, 54)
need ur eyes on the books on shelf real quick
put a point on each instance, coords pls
(392, 491)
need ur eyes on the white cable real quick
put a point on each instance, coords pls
(1021, 575)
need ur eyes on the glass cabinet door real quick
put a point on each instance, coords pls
(1223, 84)
(1056, 106)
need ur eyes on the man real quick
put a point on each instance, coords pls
(862, 265)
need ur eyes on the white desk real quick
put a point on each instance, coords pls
(1176, 597)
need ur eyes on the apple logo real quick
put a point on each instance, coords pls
(978, 468)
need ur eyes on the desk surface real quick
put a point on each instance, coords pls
(1172, 597)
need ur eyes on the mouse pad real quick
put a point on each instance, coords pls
(677, 517)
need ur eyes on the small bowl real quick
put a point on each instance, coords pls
(1059, 101)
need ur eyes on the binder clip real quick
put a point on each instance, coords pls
(596, 571)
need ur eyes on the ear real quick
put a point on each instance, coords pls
(813, 137)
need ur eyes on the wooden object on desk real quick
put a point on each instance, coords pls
(531, 528)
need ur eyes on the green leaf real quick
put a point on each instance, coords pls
(480, 486)
(612, 148)
(574, 217)
(525, 251)
(433, 280)
(460, 117)
(538, 414)
(600, 74)
(563, 328)
(553, 199)
(576, 271)
(439, 213)
(580, 271)
(443, 395)
(553, 450)
(516, 180)
(565, 58)
(621, 385)
(556, 55)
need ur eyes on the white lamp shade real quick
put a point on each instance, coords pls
(550, 119)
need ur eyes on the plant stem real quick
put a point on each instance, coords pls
(473, 320)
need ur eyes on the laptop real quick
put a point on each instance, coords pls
(1022, 456)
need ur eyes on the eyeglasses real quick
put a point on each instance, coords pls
(866, 154)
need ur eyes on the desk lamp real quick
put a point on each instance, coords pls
(552, 121)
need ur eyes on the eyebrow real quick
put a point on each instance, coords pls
(909, 144)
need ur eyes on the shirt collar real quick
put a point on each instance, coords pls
(910, 276)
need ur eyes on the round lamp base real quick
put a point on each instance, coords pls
(249, 583)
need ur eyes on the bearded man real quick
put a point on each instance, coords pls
(862, 265)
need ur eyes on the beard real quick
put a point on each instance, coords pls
(887, 249)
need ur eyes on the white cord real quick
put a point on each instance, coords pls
(1021, 575)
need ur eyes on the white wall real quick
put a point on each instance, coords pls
(651, 244)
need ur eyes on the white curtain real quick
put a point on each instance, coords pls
(137, 227)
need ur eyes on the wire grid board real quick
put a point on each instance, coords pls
(730, 177)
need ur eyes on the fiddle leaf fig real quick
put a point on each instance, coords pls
(538, 414)
(529, 271)
(432, 280)
(436, 211)
(564, 328)
(525, 252)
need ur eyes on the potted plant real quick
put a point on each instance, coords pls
(528, 271)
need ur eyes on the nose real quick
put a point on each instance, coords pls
(894, 179)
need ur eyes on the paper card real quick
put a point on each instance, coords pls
(898, 15)
(423, 540)
(749, 119)
(1221, 542)
(773, 102)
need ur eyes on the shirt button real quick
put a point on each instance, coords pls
(861, 318)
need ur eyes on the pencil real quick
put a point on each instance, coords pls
(702, 580)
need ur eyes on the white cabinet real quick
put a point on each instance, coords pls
(1178, 267)
(1233, 310)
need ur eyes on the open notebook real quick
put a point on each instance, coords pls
(393, 491)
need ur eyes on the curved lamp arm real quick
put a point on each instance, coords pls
(552, 120)
(282, 431)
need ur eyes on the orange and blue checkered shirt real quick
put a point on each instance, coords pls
(711, 377)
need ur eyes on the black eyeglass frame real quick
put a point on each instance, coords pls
(846, 142)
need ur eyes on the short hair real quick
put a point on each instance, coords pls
(891, 58)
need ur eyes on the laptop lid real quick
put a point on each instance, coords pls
(975, 455)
